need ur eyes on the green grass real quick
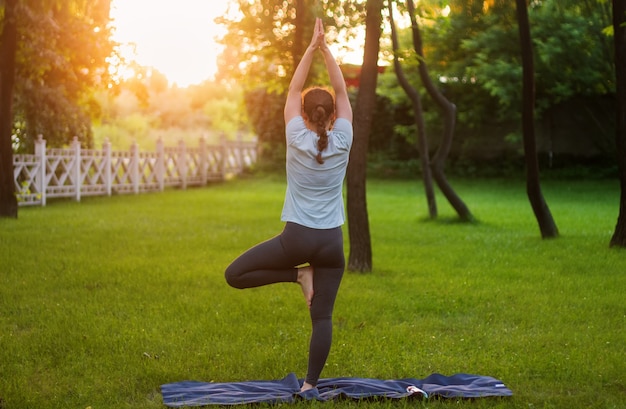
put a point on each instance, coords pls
(103, 301)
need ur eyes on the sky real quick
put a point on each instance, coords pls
(178, 37)
(175, 37)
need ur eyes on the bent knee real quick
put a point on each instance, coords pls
(232, 278)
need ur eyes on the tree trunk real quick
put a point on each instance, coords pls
(437, 163)
(8, 47)
(619, 28)
(533, 188)
(418, 114)
(360, 258)
(298, 42)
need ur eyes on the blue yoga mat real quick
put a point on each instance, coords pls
(286, 390)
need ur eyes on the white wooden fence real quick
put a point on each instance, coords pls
(74, 172)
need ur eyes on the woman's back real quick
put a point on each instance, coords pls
(314, 190)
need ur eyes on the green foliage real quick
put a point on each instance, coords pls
(472, 49)
(61, 59)
(129, 294)
(393, 131)
(478, 44)
(226, 114)
(25, 191)
(265, 39)
(144, 110)
(265, 111)
(576, 59)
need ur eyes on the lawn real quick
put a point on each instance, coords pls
(103, 301)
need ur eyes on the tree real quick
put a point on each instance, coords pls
(448, 110)
(619, 30)
(46, 77)
(8, 46)
(422, 140)
(360, 257)
(533, 188)
(61, 60)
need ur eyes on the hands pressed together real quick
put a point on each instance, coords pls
(293, 105)
(318, 40)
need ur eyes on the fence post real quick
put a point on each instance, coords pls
(182, 163)
(203, 160)
(108, 179)
(134, 166)
(160, 164)
(240, 153)
(77, 181)
(224, 158)
(41, 183)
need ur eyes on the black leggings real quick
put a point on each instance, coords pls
(276, 261)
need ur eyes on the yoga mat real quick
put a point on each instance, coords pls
(286, 390)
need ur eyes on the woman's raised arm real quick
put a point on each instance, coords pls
(342, 102)
(293, 105)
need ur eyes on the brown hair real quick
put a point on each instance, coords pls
(319, 106)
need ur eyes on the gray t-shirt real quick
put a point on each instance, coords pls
(314, 191)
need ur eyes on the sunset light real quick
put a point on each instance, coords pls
(176, 38)
(179, 39)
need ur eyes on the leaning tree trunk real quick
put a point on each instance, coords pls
(8, 47)
(449, 116)
(533, 188)
(418, 114)
(619, 28)
(360, 258)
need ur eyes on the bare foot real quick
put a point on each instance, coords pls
(306, 386)
(305, 279)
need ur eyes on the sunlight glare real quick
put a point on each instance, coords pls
(178, 38)
(175, 38)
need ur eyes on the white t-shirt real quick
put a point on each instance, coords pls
(314, 191)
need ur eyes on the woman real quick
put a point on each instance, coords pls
(309, 251)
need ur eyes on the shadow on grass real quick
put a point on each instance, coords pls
(446, 220)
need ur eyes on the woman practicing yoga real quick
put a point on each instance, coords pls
(309, 251)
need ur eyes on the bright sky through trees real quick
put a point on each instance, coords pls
(177, 38)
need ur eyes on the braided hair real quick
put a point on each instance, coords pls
(319, 106)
